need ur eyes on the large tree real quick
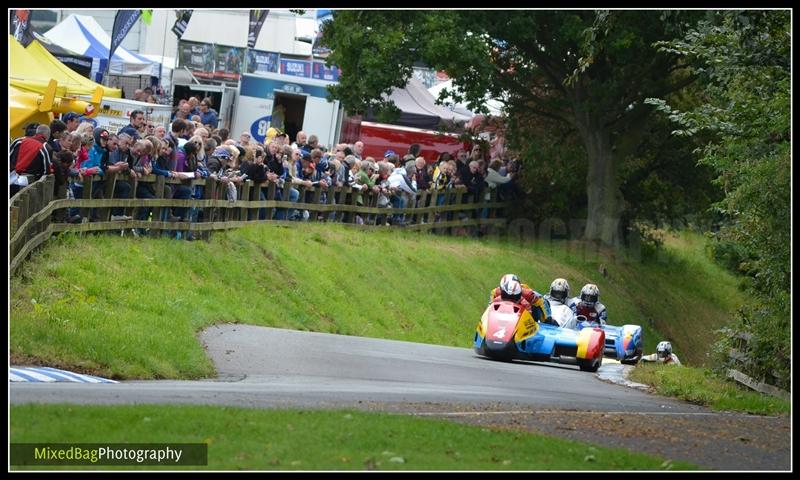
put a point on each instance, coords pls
(590, 70)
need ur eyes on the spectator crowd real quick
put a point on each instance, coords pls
(193, 147)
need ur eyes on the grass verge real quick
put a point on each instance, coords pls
(253, 439)
(700, 386)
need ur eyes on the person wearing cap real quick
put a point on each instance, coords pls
(310, 176)
(72, 120)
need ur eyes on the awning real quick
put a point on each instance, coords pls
(419, 110)
(82, 34)
(32, 69)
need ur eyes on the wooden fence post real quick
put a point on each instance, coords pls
(273, 187)
(244, 195)
(314, 213)
(422, 199)
(158, 214)
(49, 186)
(108, 193)
(209, 213)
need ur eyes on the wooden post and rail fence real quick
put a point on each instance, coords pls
(737, 354)
(37, 212)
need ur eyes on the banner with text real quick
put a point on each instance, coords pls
(296, 68)
(262, 62)
(197, 57)
(323, 72)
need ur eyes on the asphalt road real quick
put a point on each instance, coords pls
(267, 367)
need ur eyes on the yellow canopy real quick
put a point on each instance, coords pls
(32, 69)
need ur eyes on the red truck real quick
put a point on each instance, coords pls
(379, 137)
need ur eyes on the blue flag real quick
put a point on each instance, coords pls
(123, 22)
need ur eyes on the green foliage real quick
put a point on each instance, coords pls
(729, 254)
(743, 60)
(704, 387)
(261, 439)
(578, 76)
(554, 170)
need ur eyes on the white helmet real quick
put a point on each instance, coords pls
(508, 277)
(590, 294)
(510, 290)
(664, 349)
(559, 289)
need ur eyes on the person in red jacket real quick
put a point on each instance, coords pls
(529, 298)
(30, 156)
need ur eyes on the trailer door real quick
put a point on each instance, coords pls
(320, 119)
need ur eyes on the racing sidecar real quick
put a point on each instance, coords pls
(507, 331)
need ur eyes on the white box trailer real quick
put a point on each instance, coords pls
(223, 98)
(304, 99)
(115, 113)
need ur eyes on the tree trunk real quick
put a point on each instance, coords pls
(602, 187)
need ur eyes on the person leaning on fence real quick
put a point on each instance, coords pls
(29, 156)
(404, 189)
(137, 122)
(217, 166)
(280, 175)
(142, 153)
(253, 166)
(95, 159)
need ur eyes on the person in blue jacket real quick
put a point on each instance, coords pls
(208, 116)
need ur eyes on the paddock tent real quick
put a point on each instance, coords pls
(495, 107)
(79, 63)
(82, 34)
(32, 69)
(418, 108)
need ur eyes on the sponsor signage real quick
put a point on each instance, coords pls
(297, 68)
(228, 62)
(323, 72)
(262, 62)
(197, 57)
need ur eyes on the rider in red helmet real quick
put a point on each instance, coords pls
(529, 298)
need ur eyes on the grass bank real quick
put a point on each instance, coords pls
(132, 308)
(254, 439)
(700, 386)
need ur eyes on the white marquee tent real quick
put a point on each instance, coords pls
(82, 34)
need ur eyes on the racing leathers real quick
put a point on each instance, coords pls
(564, 317)
(533, 301)
(672, 359)
(594, 314)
